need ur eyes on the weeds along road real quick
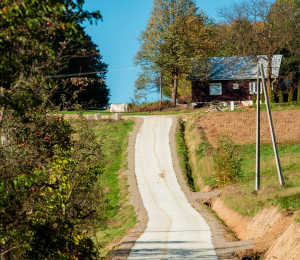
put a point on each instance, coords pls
(175, 230)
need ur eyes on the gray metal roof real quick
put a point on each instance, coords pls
(237, 68)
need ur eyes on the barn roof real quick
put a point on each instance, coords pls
(238, 68)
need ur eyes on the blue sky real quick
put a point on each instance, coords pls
(117, 35)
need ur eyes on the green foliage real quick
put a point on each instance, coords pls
(281, 97)
(227, 164)
(175, 33)
(47, 179)
(254, 98)
(290, 97)
(290, 202)
(298, 94)
(183, 154)
(272, 96)
(84, 57)
(262, 98)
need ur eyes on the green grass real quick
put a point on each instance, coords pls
(105, 113)
(120, 214)
(183, 155)
(243, 197)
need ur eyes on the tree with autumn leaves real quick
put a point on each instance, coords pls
(176, 41)
(50, 197)
(259, 27)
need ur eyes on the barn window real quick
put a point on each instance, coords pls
(235, 86)
(215, 89)
(253, 87)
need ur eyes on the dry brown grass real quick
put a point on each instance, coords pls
(241, 126)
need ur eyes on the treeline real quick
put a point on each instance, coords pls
(51, 199)
(179, 39)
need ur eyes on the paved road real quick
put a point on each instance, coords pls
(175, 230)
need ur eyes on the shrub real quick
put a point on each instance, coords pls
(227, 164)
(272, 96)
(254, 98)
(298, 94)
(262, 98)
(290, 98)
(281, 97)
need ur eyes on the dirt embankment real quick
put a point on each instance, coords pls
(242, 126)
(273, 233)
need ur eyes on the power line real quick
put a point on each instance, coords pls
(85, 73)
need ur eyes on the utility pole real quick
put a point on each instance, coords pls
(280, 176)
(257, 171)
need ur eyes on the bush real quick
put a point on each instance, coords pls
(298, 94)
(272, 96)
(254, 98)
(154, 106)
(227, 164)
(262, 98)
(281, 97)
(290, 98)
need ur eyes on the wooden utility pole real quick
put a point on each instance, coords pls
(280, 176)
(257, 171)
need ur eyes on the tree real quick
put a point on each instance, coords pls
(260, 27)
(47, 179)
(272, 96)
(290, 97)
(95, 94)
(254, 98)
(298, 94)
(175, 39)
(281, 100)
(262, 97)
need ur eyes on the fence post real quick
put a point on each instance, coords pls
(280, 176)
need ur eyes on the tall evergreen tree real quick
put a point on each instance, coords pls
(175, 39)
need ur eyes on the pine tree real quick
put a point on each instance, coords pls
(254, 98)
(262, 98)
(290, 98)
(175, 39)
(281, 97)
(272, 96)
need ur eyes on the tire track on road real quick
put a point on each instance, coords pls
(166, 237)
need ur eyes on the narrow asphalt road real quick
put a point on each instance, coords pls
(175, 230)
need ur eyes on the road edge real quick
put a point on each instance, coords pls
(129, 240)
(224, 249)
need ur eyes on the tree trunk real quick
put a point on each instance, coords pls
(174, 88)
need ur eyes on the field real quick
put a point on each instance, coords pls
(120, 214)
(201, 134)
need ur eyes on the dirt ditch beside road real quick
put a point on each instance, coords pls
(267, 217)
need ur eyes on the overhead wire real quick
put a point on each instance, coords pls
(85, 73)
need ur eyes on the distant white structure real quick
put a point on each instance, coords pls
(119, 107)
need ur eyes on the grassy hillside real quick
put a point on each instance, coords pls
(119, 215)
(201, 132)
